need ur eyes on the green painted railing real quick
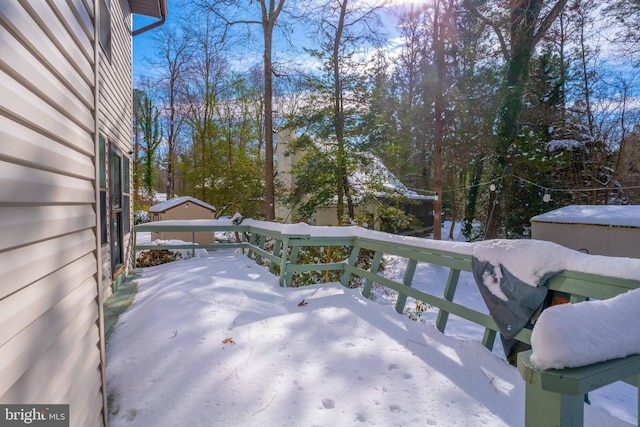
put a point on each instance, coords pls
(285, 242)
(278, 245)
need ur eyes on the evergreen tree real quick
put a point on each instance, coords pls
(150, 141)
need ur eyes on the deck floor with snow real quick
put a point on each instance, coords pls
(215, 341)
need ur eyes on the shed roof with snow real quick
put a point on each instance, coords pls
(612, 230)
(177, 201)
(608, 215)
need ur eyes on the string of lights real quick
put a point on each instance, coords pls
(548, 190)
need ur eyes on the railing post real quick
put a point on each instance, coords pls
(546, 408)
(406, 280)
(193, 242)
(449, 292)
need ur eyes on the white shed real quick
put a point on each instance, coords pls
(612, 230)
(184, 207)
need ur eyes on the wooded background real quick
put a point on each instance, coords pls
(503, 109)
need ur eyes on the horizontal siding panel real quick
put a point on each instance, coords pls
(82, 394)
(20, 144)
(18, 310)
(21, 226)
(17, 100)
(61, 364)
(38, 78)
(21, 353)
(116, 111)
(115, 86)
(66, 43)
(76, 29)
(85, 11)
(90, 413)
(20, 184)
(78, 73)
(60, 387)
(23, 266)
(95, 418)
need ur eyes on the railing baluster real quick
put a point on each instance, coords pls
(263, 239)
(489, 338)
(375, 266)
(406, 280)
(449, 292)
(353, 258)
(277, 251)
(286, 275)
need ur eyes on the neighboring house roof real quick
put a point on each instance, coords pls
(375, 178)
(607, 215)
(177, 201)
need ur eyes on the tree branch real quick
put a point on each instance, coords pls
(503, 44)
(548, 20)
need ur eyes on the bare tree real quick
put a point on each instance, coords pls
(344, 27)
(204, 82)
(174, 61)
(269, 11)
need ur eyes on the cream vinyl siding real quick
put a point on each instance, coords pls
(50, 308)
(115, 106)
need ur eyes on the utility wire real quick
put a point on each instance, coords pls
(535, 184)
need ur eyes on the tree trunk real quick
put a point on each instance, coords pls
(525, 33)
(269, 187)
(270, 14)
(338, 118)
(440, 17)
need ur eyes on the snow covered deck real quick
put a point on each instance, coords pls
(503, 270)
(216, 341)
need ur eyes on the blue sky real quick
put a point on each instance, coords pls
(143, 43)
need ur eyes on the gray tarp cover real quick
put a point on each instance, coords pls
(522, 299)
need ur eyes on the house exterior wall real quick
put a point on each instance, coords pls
(596, 239)
(185, 211)
(286, 160)
(328, 215)
(51, 350)
(115, 127)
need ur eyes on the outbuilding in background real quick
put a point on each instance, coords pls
(185, 208)
(612, 230)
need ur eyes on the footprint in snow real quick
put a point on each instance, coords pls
(328, 403)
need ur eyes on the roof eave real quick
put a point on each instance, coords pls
(150, 8)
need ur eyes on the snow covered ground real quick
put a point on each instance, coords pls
(215, 341)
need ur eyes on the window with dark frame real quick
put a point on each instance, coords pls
(126, 197)
(102, 185)
(105, 27)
